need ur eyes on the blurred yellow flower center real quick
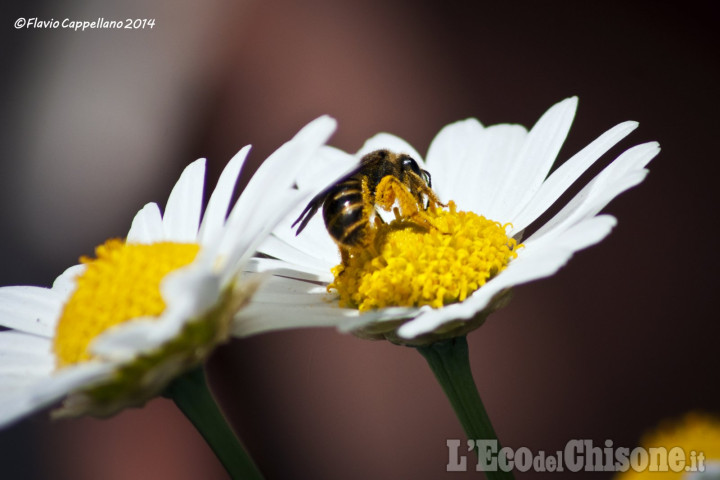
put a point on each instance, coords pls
(415, 264)
(121, 284)
(697, 435)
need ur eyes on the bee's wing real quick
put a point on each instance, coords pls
(310, 210)
(318, 199)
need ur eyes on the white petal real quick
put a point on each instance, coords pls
(288, 269)
(268, 198)
(711, 470)
(77, 376)
(329, 165)
(324, 169)
(260, 225)
(22, 355)
(73, 378)
(497, 149)
(583, 234)
(457, 151)
(260, 318)
(23, 396)
(279, 171)
(313, 243)
(65, 284)
(367, 319)
(389, 142)
(14, 384)
(568, 172)
(191, 290)
(182, 213)
(245, 228)
(24, 342)
(217, 208)
(127, 341)
(532, 163)
(17, 400)
(535, 261)
(147, 226)
(284, 251)
(283, 303)
(30, 309)
(625, 172)
(290, 291)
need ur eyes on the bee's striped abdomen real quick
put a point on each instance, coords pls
(344, 213)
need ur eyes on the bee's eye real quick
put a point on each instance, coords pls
(410, 163)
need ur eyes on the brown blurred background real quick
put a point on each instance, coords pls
(95, 124)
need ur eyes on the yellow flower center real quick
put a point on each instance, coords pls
(415, 264)
(121, 284)
(696, 434)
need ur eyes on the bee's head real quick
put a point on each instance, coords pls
(408, 163)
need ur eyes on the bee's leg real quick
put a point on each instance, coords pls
(367, 196)
(433, 199)
(385, 193)
(421, 189)
(421, 218)
(344, 255)
(390, 190)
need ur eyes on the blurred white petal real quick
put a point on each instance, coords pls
(184, 206)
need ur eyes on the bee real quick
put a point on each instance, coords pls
(380, 178)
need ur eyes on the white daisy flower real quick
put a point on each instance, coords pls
(113, 331)
(425, 284)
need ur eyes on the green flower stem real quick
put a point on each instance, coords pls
(191, 394)
(450, 362)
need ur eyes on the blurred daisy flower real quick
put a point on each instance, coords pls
(418, 285)
(115, 330)
(688, 449)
